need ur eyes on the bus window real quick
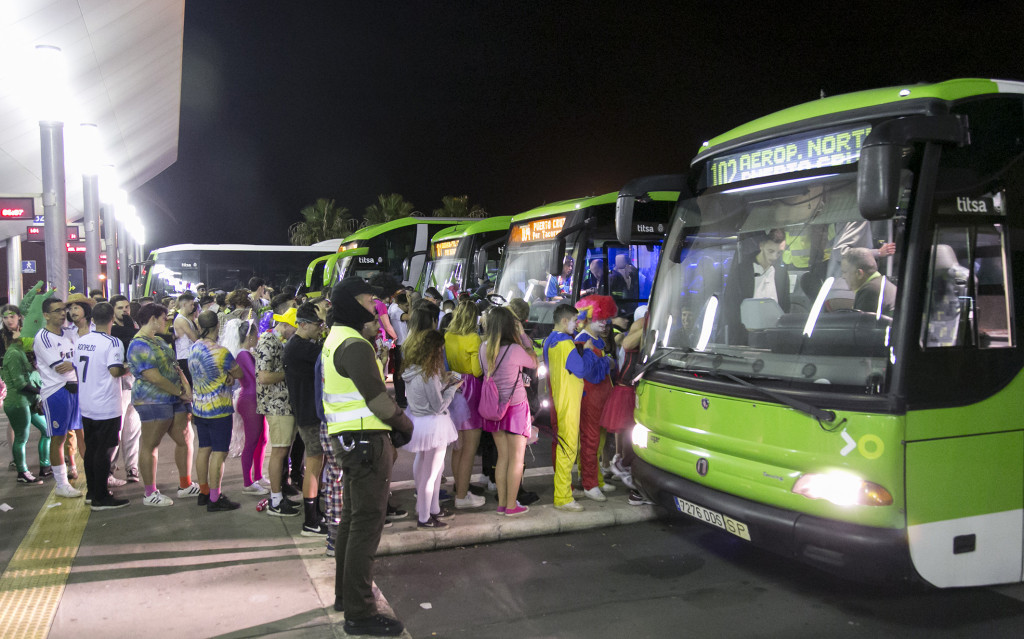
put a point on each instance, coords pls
(968, 303)
(595, 280)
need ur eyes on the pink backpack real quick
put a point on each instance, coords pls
(490, 406)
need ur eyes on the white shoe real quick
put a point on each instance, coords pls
(627, 480)
(470, 501)
(595, 494)
(67, 490)
(577, 493)
(255, 488)
(263, 481)
(492, 487)
(618, 469)
(114, 481)
(158, 500)
(608, 488)
(191, 491)
(573, 507)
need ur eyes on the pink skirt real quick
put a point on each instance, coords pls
(468, 416)
(617, 415)
(517, 420)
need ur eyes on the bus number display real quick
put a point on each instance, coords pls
(539, 230)
(445, 249)
(797, 153)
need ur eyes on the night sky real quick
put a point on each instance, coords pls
(514, 104)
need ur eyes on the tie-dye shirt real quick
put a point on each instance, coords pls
(211, 384)
(151, 352)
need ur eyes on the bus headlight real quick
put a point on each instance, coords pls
(842, 489)
(640, 434)
(542, 370)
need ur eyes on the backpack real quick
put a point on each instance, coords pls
(490, 406)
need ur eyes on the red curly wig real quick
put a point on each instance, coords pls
(596, 308)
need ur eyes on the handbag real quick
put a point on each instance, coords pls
(490, 406)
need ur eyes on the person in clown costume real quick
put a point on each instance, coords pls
(595, 368)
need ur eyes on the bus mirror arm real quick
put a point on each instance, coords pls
(879, 171)
(480, 257)
(638, 190)
(558, 250)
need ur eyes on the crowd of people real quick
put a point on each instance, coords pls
(307, 376)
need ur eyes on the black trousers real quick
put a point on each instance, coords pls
(365, 486)
(396, 355)
(100, 437)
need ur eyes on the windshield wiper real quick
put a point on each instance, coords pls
(818, 413)
(657, 358)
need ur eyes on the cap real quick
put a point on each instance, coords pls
(287, 318)
(78, 298)
(355, 285)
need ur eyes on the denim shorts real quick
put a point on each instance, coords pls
(158, 412)
(214, 433)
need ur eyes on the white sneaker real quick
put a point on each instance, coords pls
(470, 501)
(618, 469)
(263, 481)
(67, 490)
(627, 479)
(255, 488)
(191, 491)
(573, 507)
(595, 494)
(608, 488)
(114, 481)
(492, 487)
(158, 500)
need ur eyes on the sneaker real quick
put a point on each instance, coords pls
(500, 510)
(132, 475)
(263, 481)
(607, 488)
(572, 507)
(114, 481)
(394, 512)
(222, 504)
(376, 625)
(433, 522)
(318, 529)
(469, 501)
(388, 523)
(158, 500)
(636, 498)
(527, 497)
(67, 490)
(289, 490)
(330, 551)
(444, 514)
(617, 468)
(492, 487)
(72, 472)
(45, 471)
(203, 500)
(109, 503)
(191, 491)
(595, 494)
(285, 509)
(12, 466)
(518, 510)
(28, 478)
(255, 488)
(627, 481)
(444, 495)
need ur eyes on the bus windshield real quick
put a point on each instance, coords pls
(755, 285)
(525, 273)
(443, 274)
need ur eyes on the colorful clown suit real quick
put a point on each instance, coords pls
(595, 370)
(566, 393)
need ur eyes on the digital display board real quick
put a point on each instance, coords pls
(17, 208)
(538, 230)
(446, 248)
(801, 152)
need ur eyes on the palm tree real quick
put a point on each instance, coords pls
(321, 221)
(388, 207)
(458, 206)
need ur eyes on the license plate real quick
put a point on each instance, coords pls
(709, 516)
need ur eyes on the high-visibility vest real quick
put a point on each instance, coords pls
(344, 406)
(798, 247)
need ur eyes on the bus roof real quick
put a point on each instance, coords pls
(565, 206)
(374, 230)
(242, 247)
(449, 232)
(488, 224)
(947, 91)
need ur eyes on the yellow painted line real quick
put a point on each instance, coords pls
(32, 585)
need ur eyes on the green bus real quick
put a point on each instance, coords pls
(465, 256)
(860, 408)
(398, 247)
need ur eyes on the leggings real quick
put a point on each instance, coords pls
(20, 418)
(256, 437)
(426, 473)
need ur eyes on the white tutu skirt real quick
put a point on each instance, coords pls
(431, 431)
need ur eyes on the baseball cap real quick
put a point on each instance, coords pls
(288, 317)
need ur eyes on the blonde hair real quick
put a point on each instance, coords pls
(464, 318)
(501, 331)
(427, 352)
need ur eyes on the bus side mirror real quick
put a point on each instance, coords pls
(557, 257)
(624, 218)
(406, 268)
(878, 181)
(480, 263)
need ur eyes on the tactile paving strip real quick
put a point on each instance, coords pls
(32, 585)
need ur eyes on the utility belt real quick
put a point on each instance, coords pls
(360, 441)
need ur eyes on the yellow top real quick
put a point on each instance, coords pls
(463, 352)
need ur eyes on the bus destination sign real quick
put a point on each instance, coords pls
(539, 230)
(445, 249)
(801, 152)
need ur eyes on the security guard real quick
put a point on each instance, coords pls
(365, 424)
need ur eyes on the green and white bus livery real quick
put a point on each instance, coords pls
(461, 254)
(857, 403)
